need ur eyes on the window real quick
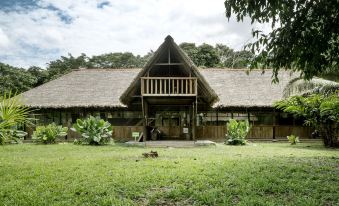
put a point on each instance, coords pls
(262, 118)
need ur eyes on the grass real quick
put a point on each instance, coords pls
(257, 174)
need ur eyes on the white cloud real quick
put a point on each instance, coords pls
(4, 40)
(58, 27)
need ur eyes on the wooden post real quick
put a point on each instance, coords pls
(145, 116)
(151, 86)
(186, 91)
(194, 120)
(178, 86)
(196, 86)
(190, 81)
(142, 86)
(156, 86)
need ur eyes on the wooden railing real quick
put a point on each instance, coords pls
(169, 86)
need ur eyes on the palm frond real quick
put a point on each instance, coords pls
(13, 111)
(299, 86)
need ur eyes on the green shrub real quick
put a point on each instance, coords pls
(48, 134)
(293, 139)
(12, 135)
(94, 131)
(237, 132)
(77, 142)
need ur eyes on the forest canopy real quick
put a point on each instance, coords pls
(205, 55)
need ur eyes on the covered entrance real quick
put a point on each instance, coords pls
(171, 122)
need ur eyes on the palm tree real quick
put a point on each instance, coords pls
(298, 86)
(12, 113)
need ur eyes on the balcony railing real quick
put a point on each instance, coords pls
(169, 86)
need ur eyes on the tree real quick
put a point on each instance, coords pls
(191, 50)
(207, 56)
(15, 79)
(319, 111)
(40, 74)
(221, 55)
(65, 65)
(304, 36)
(233, 59)
(116, 60)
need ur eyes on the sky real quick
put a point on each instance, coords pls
(35, 32)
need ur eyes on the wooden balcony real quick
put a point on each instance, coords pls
(169, 86)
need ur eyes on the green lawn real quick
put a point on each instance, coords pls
(256, 174)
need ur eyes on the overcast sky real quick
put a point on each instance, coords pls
(34, 32)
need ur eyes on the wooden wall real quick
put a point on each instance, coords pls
(124, 133)
(211, 132)
(256, 132)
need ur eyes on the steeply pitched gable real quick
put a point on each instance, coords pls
(170, 61)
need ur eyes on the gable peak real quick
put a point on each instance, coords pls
(169, 38)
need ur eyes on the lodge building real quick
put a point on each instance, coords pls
(171, 94)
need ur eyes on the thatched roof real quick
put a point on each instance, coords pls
(103, 88)
(82, 88)
(236, 88)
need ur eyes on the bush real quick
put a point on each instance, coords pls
(94, 131)
(48, 134)
(293, 139)
(12, 135)
(237, 132)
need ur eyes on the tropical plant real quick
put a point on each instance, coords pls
(48, 134)
(299, 86)
(12, 114)
(237, 132)
(319, 111)
(94, 131)
(293, 139)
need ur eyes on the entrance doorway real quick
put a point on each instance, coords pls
(173, 123)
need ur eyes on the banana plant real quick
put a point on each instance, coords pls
(237, 132)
